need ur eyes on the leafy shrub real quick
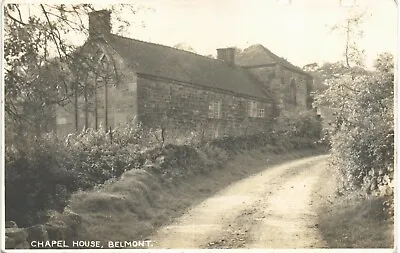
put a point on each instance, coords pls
(215, 156)
(296, 130)
(362, 139)
(98, 155)
(36, 180)
(232, 144)
(42, 171)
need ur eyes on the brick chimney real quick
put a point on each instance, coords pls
(99, 23)
(227, 55)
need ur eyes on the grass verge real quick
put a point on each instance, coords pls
(133, 207)
(351, 221)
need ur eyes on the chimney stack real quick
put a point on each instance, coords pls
(99, 23)
(227, 55)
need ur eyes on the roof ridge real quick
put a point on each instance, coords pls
(234, 66)
(275, 55)
(154, 59)
(165, 46)
(277, 58)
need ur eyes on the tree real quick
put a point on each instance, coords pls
(42, 67)
(353, 55)
(362, 137)
(336, 79)
(184, 46)
(363, 143)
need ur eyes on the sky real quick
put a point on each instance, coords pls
(298, 31)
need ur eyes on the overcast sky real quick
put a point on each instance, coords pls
(298, 31)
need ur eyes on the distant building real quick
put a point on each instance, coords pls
(181, 91)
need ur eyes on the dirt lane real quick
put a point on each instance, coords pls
(272, 209)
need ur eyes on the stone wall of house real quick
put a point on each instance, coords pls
(121, 108)
(184, 109)
(119, 99)
(279, 80)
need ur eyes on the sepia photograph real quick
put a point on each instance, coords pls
(184, 125)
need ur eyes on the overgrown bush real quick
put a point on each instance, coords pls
(175, 161)
(363, 133)
(234, 144)
(297, 130)
(98, 155)
(42, 173)
(36, 179)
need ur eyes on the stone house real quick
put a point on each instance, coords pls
(179, 91)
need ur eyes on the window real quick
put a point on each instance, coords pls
(292, 92)
(253, 109)
(261, 113)
(103, 59)
(61, 120)
(214, 110)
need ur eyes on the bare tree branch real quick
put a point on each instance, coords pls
(14, 19)
(347, 43)
(19, 12)
(51, 29)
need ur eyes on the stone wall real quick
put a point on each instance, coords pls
(119, 99)
(121, 107)
(61, 227)
(279, 80)
(184, 109)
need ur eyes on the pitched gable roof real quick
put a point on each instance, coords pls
(167, 62)
(259, 55)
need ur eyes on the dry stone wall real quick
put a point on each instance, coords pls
(59, 228)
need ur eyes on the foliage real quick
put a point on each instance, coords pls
(233, 145)
(295, 130)
(362, 133)
(35, 178)
(42, 65)
(98, 155)
(42, 171)
(350, 27)
(362, 137)
(42, 69)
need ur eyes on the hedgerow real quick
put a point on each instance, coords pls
(36, 179)
(101, 155)
(296, 130)
(41, 173)
(362, 136)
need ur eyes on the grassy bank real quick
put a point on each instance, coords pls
(351, 221)
(140, 202)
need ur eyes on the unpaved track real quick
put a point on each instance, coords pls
(272, 209)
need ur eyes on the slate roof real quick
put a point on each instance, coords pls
(167, 62)
(259, 55)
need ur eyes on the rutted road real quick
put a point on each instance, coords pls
(272, 209)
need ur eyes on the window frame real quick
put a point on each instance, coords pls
(261, 113)
(214, 109)
(293, 92)
(252, 111)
